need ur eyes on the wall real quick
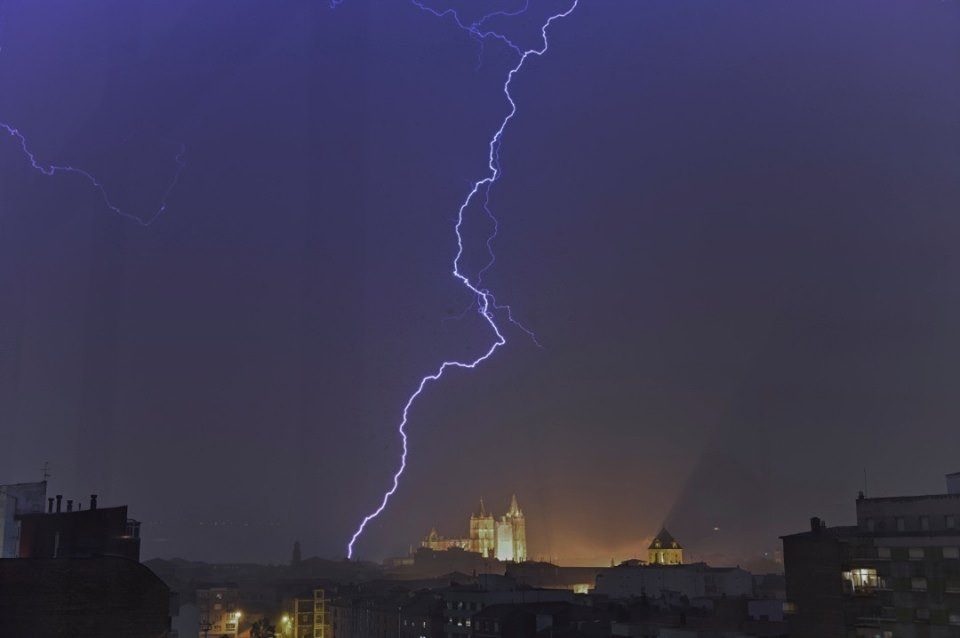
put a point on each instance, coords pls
(21, 498)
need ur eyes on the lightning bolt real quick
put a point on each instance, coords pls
(484, 299)
(51, 170)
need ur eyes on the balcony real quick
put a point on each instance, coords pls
(863, 581)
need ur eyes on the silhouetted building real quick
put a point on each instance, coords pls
(82, 598)
(428, 563)
(896, 574)
(461, 603)
(422, 616)
(18, 500)
(698, 580)
(78, 533)
(559, 619)
(369, 615)
(580, 580)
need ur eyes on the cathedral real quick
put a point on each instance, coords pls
(504, 539)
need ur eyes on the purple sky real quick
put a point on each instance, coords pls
(733, 226)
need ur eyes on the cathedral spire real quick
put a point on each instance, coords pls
(514, 508)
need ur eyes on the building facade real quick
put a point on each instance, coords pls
(78, 533)
(219, 611)
(82, 598)
(895, 574)
(310, 619)
(15, 501)
(422, 616)
(504, 539)
(462, 603)
(697, 580)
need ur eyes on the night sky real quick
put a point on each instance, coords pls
(732, 224)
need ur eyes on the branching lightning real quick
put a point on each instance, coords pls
(483, 299)
(52, 169)
(486, 303)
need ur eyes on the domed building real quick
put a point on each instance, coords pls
(664, 550)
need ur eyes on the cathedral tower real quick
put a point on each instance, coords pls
(483, 538)
(512, 534)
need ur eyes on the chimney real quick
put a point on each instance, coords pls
(50, 505)
(93, 501)
(59, 498)
(816, 524)
(953, 483)
(70, 505)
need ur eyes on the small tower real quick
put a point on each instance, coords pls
(295, 558)
(665, 550)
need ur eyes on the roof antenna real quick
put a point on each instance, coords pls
(46, 470)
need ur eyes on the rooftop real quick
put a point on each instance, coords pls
(664, 540)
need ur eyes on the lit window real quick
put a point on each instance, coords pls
(861, 580)
(951, 552)
(789, 608)
(955, 618)
(925, 523)
(916, 553)
(883, 552)
(918, 584)
(901, 524)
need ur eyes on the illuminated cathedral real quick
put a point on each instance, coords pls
(504, 539)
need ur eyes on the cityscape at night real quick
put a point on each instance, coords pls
(479, 318)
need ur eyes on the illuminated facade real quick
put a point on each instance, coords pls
(483, 538)
(310, 616)
(219, 612)
(504, 539)
(665, 550)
